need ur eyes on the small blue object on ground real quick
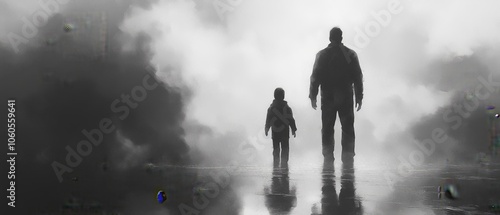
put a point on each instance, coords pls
(162, 196)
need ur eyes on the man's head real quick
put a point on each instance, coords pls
(279, 93)
(335, 35)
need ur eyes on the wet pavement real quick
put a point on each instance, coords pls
(362, 188)
(356, 189)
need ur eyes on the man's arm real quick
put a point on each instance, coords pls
(358, 81)
(315, 80)
(268, 121)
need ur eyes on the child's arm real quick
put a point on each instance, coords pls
(292, 121)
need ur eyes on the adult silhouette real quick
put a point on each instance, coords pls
(336, 71)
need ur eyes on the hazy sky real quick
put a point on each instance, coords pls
(233, 65)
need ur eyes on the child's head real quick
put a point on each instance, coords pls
(279, 93)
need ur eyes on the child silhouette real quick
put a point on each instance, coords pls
(280, 119)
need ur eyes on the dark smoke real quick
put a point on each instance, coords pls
(62, 87)
(467, 135)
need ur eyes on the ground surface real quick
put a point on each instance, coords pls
(363, 190)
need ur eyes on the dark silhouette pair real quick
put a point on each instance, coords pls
(337, 73)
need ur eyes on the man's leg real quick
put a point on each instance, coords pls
(346, 115)
(328, 117)
(284, 152)
(276, 151)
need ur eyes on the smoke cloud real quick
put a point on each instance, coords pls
(66, 82)
(429, 53)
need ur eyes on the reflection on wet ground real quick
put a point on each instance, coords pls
(303, 190)
(280, 197)
(346, 201)
(316, 189)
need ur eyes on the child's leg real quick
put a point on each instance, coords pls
(284, 151)
(276, 151)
